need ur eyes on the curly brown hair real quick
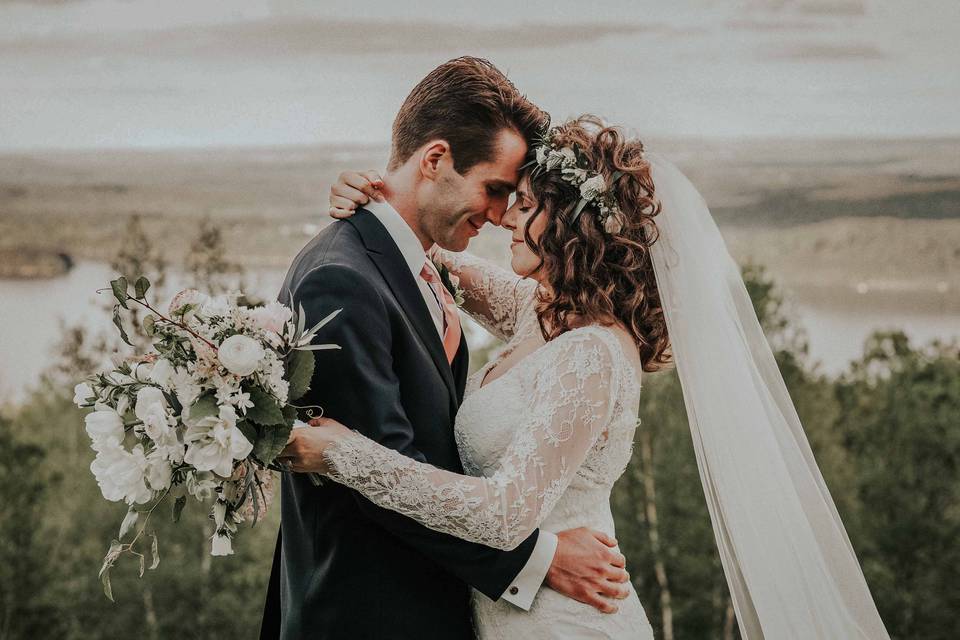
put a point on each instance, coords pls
(594, 276)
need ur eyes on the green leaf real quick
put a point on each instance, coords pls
(249, 431)
(318, 347)
(119, 287)
(140, 287)
(289, 414)
(150, 324)
(155, 552)
(204, 407)
(119, 323)
(300, 366)
(265, 410)
(105, 579)
(271, 443)
(178, 507)
(143, 564)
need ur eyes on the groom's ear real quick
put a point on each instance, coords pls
(433, 157)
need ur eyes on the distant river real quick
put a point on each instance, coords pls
(31, 313)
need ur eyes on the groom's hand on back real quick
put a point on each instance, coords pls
(587, 568)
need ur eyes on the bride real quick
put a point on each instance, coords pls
(619, 270)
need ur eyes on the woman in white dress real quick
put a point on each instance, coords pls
(546, 428)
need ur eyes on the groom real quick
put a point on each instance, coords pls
(345, 568)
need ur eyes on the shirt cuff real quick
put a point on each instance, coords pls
(525, 586)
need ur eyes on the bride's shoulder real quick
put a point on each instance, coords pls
(607, 340)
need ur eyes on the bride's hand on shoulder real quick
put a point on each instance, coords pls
(306, 446)
(354, 189)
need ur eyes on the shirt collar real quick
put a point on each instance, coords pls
(404, 237)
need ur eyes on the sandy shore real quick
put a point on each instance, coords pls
(828, 213)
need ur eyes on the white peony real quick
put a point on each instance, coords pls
(271, 317)
(159, 472)
(568, 155)
(105, 428)
(240, 354)
(215, 442)
(82, 394)
(156, 422)
(146, 398)
(161, 372)
(593, 187)
(120, 474)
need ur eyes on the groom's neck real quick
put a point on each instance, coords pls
(398, 193)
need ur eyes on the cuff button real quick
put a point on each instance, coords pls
(514, 591)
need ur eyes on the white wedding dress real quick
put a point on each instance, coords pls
(542, 443)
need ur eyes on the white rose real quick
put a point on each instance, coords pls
(82, 394)
(271, 317)
(105, 428)
(161, 372)
(146, 398)
(221, 546)
(185, 386)
(240, 354)
(121, 474)
(593, 187)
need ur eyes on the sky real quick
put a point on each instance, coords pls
(80, 74)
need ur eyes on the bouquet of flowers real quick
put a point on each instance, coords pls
(203, 415)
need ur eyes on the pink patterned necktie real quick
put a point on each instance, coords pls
(451, 321)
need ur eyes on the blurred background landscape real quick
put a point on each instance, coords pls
(195, 142)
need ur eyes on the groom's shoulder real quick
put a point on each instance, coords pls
(336, 255)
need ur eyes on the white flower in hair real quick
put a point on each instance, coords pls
(554, 159)
(542, 155)
(593, 187)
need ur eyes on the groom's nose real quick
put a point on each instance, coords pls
(495, 215)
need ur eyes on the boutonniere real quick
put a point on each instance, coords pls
(451, 282)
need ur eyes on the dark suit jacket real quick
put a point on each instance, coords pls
(345, 568)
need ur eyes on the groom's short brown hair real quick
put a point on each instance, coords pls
(467, 102)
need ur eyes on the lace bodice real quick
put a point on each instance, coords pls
(542, 443)
(566, 410)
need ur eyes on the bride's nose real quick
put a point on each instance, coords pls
(509, 219)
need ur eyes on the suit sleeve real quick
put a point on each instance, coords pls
(357, 386)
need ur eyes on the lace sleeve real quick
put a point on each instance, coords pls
(493, 296)
(571, 400)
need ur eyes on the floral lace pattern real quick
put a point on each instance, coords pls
(543, 444)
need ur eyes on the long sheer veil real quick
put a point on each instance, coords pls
(791, 569)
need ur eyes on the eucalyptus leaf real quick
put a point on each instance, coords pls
(271, 443)
(249, 430)
(143, 564)
(265, 410)
(105, 579)
(140, 287)
(119, 287)
(313, 330)
(300, 365)
(150, 324)
(119, 324)
(204, 407)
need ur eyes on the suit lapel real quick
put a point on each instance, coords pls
(389, 261)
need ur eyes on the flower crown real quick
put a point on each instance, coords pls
(574, 170)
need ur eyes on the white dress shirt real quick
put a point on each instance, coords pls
(527, 583)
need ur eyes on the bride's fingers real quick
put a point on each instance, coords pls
(340, 202)
(340, 214)
(376, 183)
(347, 193)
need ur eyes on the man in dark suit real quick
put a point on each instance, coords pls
(343, 567)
